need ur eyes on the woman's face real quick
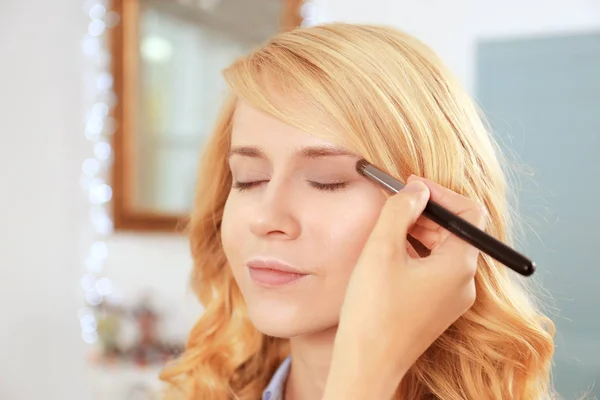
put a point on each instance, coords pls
(296, 203)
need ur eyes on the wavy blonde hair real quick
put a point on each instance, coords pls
(396, 104)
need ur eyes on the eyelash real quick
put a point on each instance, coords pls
(242, 186)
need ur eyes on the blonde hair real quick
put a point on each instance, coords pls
(397, 105)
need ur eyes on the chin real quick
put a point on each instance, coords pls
(283, 324)
(275, 324)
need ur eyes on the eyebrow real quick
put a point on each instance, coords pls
(309, 152)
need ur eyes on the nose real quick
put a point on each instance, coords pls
(275, 214)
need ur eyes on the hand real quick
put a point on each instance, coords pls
(397, 304)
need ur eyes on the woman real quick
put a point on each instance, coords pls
(312, 288)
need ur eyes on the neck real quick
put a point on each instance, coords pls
(311, 357)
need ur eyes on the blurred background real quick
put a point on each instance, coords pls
(104, 106)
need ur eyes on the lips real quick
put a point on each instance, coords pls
(272, 273)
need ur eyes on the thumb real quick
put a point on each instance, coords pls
(398, 214)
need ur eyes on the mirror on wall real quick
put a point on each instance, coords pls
(167, 58)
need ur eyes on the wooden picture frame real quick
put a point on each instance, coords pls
(124, 42)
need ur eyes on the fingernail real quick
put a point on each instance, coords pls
(415, 187)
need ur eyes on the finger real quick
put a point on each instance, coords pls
(397, 216)
(445, 197)
(431, 227)
(465, 208)
(429, 238)
(427, 223)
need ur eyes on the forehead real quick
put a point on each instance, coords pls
(254, 126)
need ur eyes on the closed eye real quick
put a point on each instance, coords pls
(329, 186)
(242, 186)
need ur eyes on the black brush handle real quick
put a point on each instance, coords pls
(456, 225)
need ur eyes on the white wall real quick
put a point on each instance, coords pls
(452, 27)
(41, 149)
(40, 209)
(43, 211)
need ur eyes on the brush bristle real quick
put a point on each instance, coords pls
(361, 165)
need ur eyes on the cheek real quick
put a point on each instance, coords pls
(354, 229)
(345, 228)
